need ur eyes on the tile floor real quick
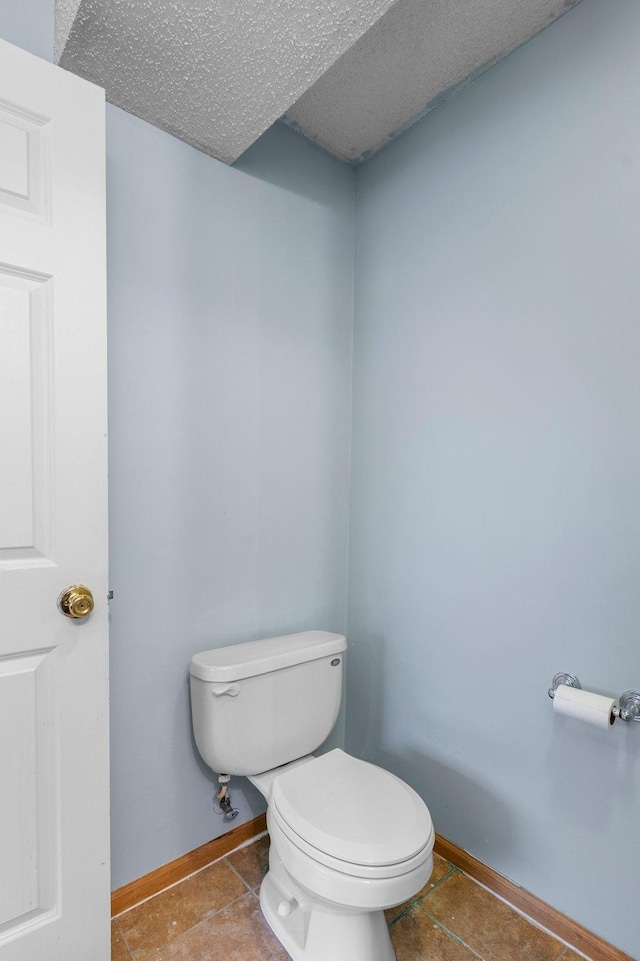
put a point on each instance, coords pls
(215, 915)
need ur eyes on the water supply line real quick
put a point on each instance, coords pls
(223, 797)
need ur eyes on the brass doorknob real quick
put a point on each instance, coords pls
(76, 601)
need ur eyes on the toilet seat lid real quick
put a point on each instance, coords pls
(352, 810)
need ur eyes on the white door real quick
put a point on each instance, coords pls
(54, 870)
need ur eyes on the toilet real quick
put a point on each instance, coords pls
(348, 839)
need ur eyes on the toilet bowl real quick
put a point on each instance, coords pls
(348, 839)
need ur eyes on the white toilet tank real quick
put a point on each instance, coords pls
(258, 705)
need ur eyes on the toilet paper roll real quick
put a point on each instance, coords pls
(584, 706)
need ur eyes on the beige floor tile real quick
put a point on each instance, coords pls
(212, 917)
(416, 937)
(119, 950)
(486, 924)
(151, 925)
(252, 862)
(440, 869)
(238, 933)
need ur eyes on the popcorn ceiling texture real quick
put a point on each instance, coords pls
(216, 73)
(66, 11)
(407, 63)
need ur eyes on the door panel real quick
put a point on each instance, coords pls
(54, 880)
(28, 796)
(25, 406)
(23, 173)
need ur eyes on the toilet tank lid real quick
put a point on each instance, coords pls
(260, 657)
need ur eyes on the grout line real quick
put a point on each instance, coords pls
(174, 884)
(124, 940)
(438, 923)
(400, 916)
(237, 873)
(566, 945)
(208, 917)
(214, 914)
(416, 900)
(436, 884)
(571, 947)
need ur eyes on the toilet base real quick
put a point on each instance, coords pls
(314, 931)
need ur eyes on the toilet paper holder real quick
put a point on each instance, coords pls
(627, 707)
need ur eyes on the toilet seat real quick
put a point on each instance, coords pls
(353, 816)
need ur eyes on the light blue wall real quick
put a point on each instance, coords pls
(230, 327)
(495, 529)
(495, 521)
(230, 309)
(29, 24)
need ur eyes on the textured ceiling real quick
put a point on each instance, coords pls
(215, 73)
(348, 74)
(407, 63)
(66, 12)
